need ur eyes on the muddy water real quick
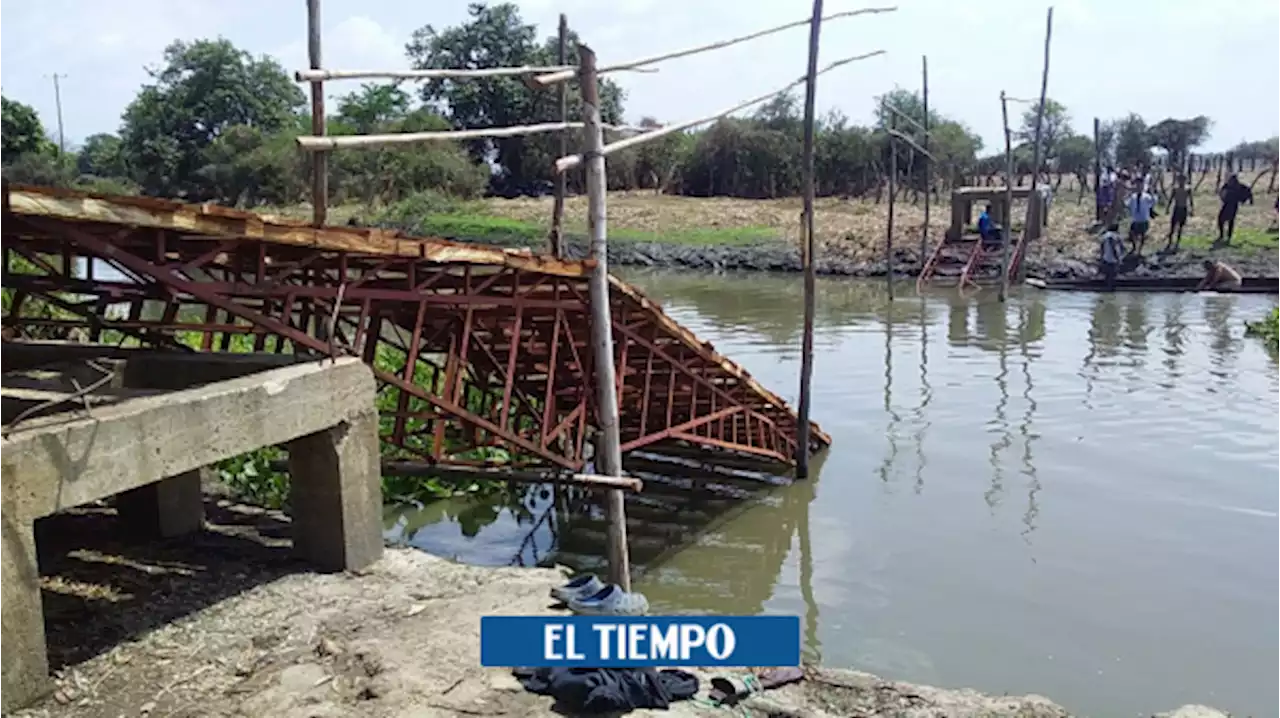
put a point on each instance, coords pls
(1073, 494)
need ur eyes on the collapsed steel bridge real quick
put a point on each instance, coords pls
(477, 349)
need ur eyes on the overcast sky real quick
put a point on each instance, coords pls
(1159, 58)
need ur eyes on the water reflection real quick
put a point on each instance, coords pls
(891, 431)
(1031, 328)
(921, 414)
(1069, 484)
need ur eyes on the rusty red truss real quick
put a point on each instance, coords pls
(476, 348)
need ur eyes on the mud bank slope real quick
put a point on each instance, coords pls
(401, 640)
(1047, 262)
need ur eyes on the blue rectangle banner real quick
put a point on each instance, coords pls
(639, 641)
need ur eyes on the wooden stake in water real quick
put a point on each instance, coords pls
(319, 160)
(1006, 232)
(893, 190)
(1097, 169)
(1035, 162)
(555, 239)
(928, 164)
(807, 250)
(608, 457)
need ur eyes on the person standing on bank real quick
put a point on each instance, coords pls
(1141, 205)
(1181, 205)
(1110, 252)
(1233, 194)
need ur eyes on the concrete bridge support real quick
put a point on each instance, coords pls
(149, 449)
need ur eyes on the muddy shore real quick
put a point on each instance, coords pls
(1046, 261)
(225, 623)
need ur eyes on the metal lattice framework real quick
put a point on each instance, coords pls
(474, 347)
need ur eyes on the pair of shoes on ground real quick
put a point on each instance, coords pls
(587, 595)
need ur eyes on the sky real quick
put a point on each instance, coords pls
(1159, 58)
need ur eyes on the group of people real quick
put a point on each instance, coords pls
(1140, 205)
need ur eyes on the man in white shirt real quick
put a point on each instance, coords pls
(1141, 205)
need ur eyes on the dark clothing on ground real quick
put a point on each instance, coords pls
(608, 690)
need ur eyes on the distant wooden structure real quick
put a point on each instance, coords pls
(962, 257)
(963, 199)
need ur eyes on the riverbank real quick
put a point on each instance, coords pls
(727, 234)
(226, 624)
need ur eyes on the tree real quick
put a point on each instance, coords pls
(1075, 157)
(204, 88)
(950, 142)
(496, 36)
(1133, 144)
(372, 106)
(102, 156)
(1055, 127)
(1178, 137)
(22, 132)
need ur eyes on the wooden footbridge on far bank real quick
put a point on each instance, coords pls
(482, 354)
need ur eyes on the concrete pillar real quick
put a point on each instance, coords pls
(26, 662)
(170, 507)
(959, 218)
(336, 494)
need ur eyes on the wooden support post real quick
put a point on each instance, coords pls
(807, 247)
(1097, 170)
(893, 190)
(608, 457)
(928, 164)
(555, 239)
(319, 160)
(1036, 154)
(1008, 199)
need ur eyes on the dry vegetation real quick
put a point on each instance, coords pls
(856, 228)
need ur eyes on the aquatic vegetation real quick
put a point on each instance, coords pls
(1267, 329)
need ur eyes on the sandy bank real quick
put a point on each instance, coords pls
(399, 640)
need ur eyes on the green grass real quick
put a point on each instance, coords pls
(1243, 240)
(513, 232)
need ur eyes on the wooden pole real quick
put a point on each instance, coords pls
(928, 161)
(893, 190)
(557, 210)
(57, 100)
(563, 75)
(1035, 162)
(1008, 199)
(1097, 169)
(608, 458)
(807, 246)
(319, 160)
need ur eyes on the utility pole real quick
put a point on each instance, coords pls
(57, 99)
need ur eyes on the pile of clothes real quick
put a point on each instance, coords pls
(609, 690)
(619, 690)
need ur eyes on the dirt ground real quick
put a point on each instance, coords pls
(225, 623)
(855, 229)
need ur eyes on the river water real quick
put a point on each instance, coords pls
(1071, 494)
